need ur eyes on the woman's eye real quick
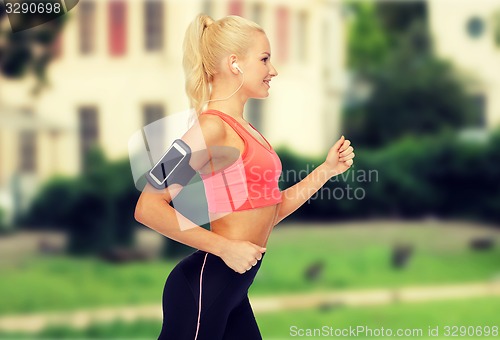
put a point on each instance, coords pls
(264, 60)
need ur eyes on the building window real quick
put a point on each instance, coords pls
(89, 129)
(257, 10)
(152, 113)
(27, 151)
(282, 21)
(155, 133)
(236, 7)
(475, 27)
(302, 34)
(86, 23)
(153, 25)
(27, 146)
(117, 27)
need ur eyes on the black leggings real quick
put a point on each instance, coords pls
(225, 309)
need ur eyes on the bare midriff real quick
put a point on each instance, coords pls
(254, 225)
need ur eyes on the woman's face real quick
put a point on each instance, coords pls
(257, 67)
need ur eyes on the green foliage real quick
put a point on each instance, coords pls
(52, 204)
(4, 228)
(398, 16)
(409, 96)
(28, 51)
(367, 42)
(439, 174)
(399, 87)
(96, 209)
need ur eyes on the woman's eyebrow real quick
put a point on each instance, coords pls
(269, 54)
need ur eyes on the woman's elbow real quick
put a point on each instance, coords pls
(139, 213)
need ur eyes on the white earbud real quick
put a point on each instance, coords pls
(235, 65)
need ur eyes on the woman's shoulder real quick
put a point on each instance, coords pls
(213, 128)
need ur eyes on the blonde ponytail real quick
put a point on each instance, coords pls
(205, 43)
(197, 79)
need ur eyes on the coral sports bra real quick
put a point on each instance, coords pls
(250, 182)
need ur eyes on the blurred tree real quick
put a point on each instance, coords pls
(28, 51)
(399, 87)
(368, 45)
(95, 209)
(397, 17)
(3, 226)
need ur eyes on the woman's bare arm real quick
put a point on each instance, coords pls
(153, 207)
(153, 210)
(339, 159)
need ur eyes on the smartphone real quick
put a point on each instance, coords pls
(167, 164)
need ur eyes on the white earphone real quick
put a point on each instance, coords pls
(235, 65)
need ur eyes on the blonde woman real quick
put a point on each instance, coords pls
(226, 62)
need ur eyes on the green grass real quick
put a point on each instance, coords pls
(360, 257)
(420, 316)
(43, 284)
(470, 312)
(355, 257)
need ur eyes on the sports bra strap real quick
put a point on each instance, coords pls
(240, 129)
(228, 119)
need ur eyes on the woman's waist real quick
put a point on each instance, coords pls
(253, 225)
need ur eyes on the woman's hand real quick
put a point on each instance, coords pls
(241, 256)
(340, 157)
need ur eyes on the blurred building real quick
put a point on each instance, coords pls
(468, 34)
(119, 67)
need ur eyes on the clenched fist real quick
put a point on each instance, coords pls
(340, 157)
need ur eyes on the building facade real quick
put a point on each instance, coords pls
(119, 67)
(468, 34)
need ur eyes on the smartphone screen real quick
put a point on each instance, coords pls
(167, 164)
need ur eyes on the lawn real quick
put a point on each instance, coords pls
(352, 256)
(410, 317)
(405, 316)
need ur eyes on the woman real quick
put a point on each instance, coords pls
(226, 62)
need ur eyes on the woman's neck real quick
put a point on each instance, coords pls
(232, 106)
(233, 109)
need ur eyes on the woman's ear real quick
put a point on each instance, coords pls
(233, 64)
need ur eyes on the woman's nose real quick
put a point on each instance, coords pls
(273, 72)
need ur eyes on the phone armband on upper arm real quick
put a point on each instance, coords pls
(173, 167)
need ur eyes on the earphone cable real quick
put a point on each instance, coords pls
(242, 81)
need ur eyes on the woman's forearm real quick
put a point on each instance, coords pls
(158, 215)
(298, 194)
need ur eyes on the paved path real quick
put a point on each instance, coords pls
(83, 318)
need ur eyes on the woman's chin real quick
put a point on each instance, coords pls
(262, 94)
(265, 94)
